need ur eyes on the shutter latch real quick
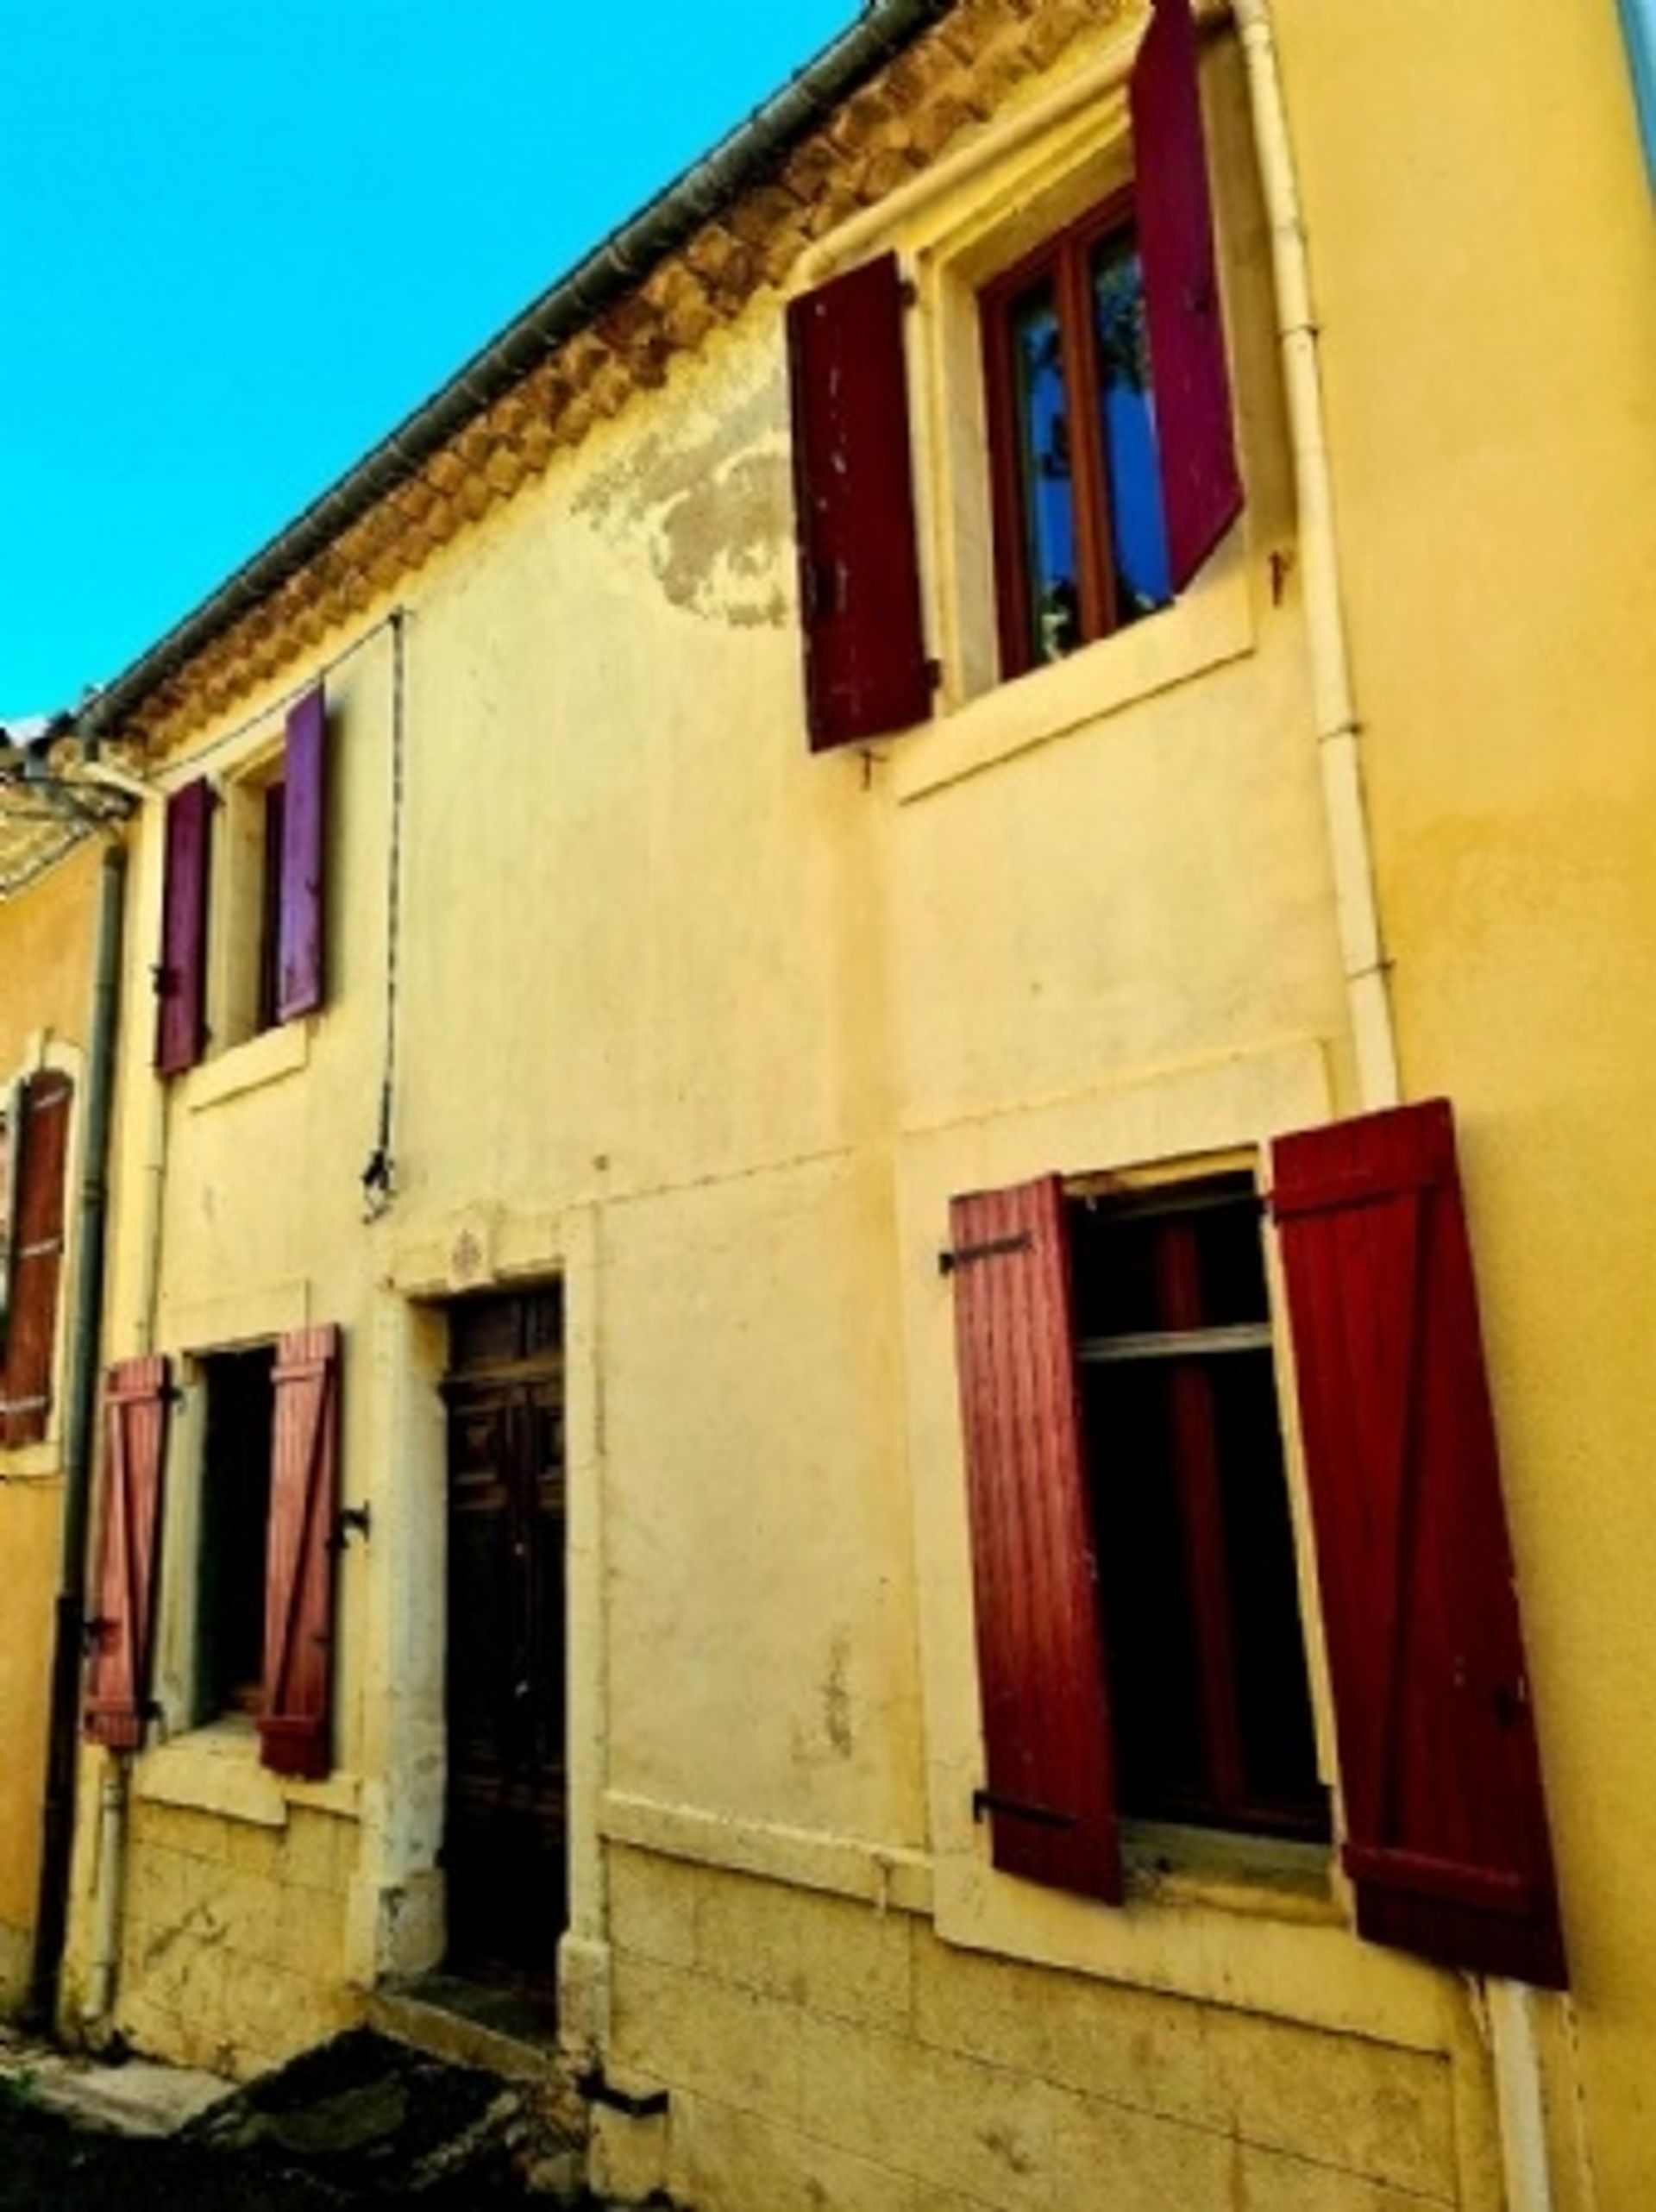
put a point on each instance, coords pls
(1041, 1816)
(997, 1248)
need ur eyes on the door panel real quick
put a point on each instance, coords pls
(505, 1848)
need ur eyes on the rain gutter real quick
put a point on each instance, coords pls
(612, 269)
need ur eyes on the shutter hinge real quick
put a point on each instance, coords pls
(998, 1247)
(933, 674)
(351, 1520)
(908, 292)
(1042, 1816)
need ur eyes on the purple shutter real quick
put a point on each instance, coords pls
(299, 946)
(865, 665)
(120, 1633)
(1201, 484)
(1446, 1826)
(1040, 1651)
(181, 974)
(297, 1702)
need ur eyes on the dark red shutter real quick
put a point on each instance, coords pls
(181, 975)
(1202, 486)
(41, 1138)
(1447, 1837)
(1050, 1780)
(293, 1721)
(865, 669)
(121, 1627)
(300, 945)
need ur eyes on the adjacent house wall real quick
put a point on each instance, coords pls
(46, 952)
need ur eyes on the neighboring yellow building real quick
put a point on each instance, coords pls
(783, 1363)
(50, 907)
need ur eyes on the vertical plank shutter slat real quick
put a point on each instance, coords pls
(296, 1700)
(865, 666)
(300, 944)
(1447, 1827)
(1046, 1727)
(181, 975)
(1201, 485)
(43, 1138)
(135, 1396)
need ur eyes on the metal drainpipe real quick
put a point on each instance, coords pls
(1508, 2006)
(58, 1824)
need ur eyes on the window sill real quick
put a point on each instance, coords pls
(216, 1769)
(1214, 624)
(1266, 1875)
(261, 1059)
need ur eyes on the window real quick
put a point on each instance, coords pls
(1204, 1658)
(1108, 404)
(264, 1573)
(235, 1532)
(1138, 1643)
(34, 1159)
(1081, 528)
(269, 910)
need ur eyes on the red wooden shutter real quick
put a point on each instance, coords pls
(1445, 1824)
(300, 920)
(865, 667)
(181, 977)
(41, 1138)
(1051, 1789)
(293, 1722)
(135, 1428)
(1201, 484)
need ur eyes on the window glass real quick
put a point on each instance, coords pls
(1045, 470)
(1127, 421)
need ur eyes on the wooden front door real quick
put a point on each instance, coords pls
(505, 1850)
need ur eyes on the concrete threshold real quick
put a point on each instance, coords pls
(469, 2025)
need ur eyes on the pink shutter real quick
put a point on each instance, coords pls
(865, 666)
(1040, 1653)
(1445, 1824)
(42, 1137)
(299, 941)
(181, 976)
(122, 1629)
(293, 1722)
(1201, 484)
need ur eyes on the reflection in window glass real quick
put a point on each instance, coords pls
(1127, 418)
(1047, 478)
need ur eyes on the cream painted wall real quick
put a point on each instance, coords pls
(46, 953)
(1485, 262)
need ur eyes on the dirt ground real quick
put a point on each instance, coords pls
(361, 2122)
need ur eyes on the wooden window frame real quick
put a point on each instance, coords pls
(1065, 256)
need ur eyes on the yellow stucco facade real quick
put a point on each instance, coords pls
(46, 955)
(709, 1031)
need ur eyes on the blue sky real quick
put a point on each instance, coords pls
(236, 245)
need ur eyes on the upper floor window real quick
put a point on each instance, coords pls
(1111, 462)
(1080, 520)
(267, 965)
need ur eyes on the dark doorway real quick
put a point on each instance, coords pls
(504, 1850)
